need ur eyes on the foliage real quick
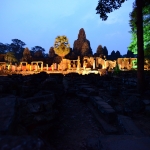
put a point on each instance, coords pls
(26, 55)
(99, 51)
(57, 59)
(10, 57)
(107, 6)
(51, 52)
(3, 48)
(116, 69)
(105, 51)
(38, 51)
(17, 47)
(38, 48)
(146, 28)
(129, 54)
(61, 46)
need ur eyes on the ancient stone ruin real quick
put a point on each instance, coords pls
(82, 46)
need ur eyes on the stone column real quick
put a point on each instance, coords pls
(42, 66)
(47, 67)
(15, 66)
(94, 64)
(30, 68)
(36, 67)
(52, 67)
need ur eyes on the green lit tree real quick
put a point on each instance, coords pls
(146, 28)
(107, 6)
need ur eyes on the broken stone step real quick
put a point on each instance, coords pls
(83, 97)
(90, 91)
(146, 102)
(127, 126)
(106, 127)
(104, 109)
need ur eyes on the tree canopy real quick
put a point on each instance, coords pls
(61, 46)
(146, 28)
(107, 6)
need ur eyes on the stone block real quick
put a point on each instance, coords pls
(104, 109)
(147, 110)
(23, 143)
(83, 97)
(7, 114)
(127, 126)
(124, 142)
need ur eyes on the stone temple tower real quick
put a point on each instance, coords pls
(81, 46)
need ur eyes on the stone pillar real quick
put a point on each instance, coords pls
(36, 67)
(55, 66)
(30, 68)
(42, 66)
(47, 67)
(15, 66)
(84, 65)
(52, 67)
(94, 64)
(96, 61)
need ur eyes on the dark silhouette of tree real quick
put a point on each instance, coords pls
(17, 47)
(38, 54)
(129, 54)
(37, 51)
(107, 6)
(51, 52)
(26, 55)
(3, 48)
(118, 55)
(105, 51)
(113, 55)
(99, 51)
(57, 59)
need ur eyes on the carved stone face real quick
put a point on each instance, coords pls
(81, 35)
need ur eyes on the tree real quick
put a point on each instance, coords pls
(107, 6)
(51, 52)
(38, 51)
(113, 55)
(118, 55)
(146, 28)
(99, 51)
(3, 48)
(10, 57)
(26, 55)
(17, 47)
(105, 51)
(129, 54)
(61, 46)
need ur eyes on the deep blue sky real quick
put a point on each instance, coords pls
(39, 22)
